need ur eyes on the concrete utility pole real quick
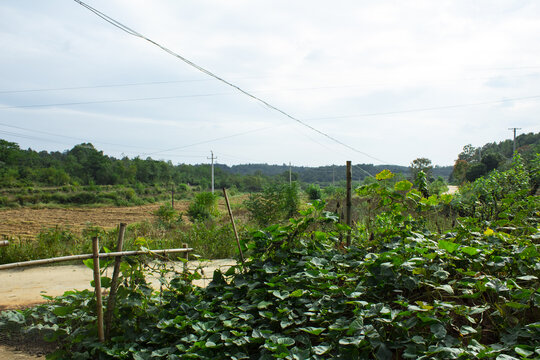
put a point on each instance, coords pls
(212, 158)
(290, 174)
(348, 213)
(514, 129)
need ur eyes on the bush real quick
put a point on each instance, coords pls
(275, 203)
(167, 216)
(203, 207)
(438, 186)
(314, 192)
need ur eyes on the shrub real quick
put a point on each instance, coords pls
(314, 192)
(275, 203)
(203, 207)
(167, 216)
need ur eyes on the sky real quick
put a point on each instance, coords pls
(374, 82)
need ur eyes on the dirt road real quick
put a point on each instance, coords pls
(23, 287)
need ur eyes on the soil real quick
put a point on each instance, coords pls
(24, 287)
(28, 222)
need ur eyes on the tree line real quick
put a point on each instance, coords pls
(475, 162)
(86, 165)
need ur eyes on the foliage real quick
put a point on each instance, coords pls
(212, 240)
(421, 183)
(475, 171)
(203, 207)
(477, 162)
(469, 293)
(167, 216)
(459, 171)
(438, 187)
(502, 196)
(421, 165)
(400, 292)
(275, 203)
(314, 192)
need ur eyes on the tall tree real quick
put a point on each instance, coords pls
(421, 164)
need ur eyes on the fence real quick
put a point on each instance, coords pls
(96, 255)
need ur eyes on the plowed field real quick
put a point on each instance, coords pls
(28, 222)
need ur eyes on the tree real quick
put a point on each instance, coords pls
(9, 153)
(421, 164)
(475, 171)
(491, 161)
(460, 169)
(468, 154)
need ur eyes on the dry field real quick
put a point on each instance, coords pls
(28, 222)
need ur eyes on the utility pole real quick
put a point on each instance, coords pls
(514, 129)
(333, 175)
(348, 218)
(212, 158)
(290, 174)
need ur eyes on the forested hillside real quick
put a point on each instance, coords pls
(474, 162)
(85, 165)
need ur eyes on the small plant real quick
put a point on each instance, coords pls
(274, 204)
(167, 216)
(314, 192)
(203, 207)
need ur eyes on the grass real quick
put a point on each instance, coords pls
(212, 239)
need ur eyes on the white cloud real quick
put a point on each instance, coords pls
(312, 59)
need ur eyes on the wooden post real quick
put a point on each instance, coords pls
(185, 246)
(348, 218)
(4, 243)
(97, 285)
(111, 301)
(172, 197)
(234, 226)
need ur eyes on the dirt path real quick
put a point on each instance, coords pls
(25, 286)
(7, 353)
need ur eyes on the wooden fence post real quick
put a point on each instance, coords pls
(348, 217)
(185, 246)
(234, 226)
(97, 285)
(111, 301)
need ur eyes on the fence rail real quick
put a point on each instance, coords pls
(89, 256)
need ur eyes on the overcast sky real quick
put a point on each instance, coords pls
(391, 80)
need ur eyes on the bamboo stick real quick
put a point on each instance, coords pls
(97, 286)
(4, 243)
(111, 300)
(89, 256)
(234, 226)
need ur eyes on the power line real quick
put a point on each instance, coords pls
(100, 86)
(534, 97)
(209, 73)
(67, 137)
(318, 87)
(212, 140)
